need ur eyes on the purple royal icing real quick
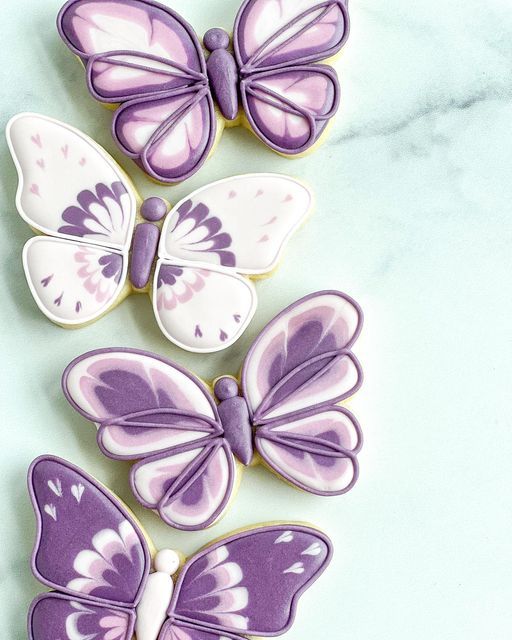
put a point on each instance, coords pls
(92, 553)
(144, 248)
(153, 209)
(235, 419)
(302, 372)
(262, 80)
(222, 72)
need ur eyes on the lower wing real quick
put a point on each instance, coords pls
(189, 486)
(58, 616)
(169, 135)
(290, 108)
(202, 309)
(72, 282)
(315, 451)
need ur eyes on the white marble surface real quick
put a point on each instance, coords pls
(414, 194)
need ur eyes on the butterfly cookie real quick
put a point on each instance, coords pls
(145, 57)
(191, 444)
(99, 242)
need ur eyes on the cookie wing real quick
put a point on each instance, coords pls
(71, 190)
(242, 222)
(289, 109)
(146, 57)
(297, 370)
(87, 544)
(68, 186)
(302, 359)
(287, 100)
(131, 48)
(55, 615)
(190, 486)
(316, 451)
(270, 34)
(250, 583)
(202, 309)
(142, 404)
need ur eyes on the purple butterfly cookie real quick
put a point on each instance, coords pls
(286, 413)
(101, 243)
(92, 554)
(145, 57)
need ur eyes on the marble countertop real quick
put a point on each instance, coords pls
(414, 193)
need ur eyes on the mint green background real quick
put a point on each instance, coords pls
(413, 219)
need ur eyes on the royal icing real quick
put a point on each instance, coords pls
(186, 442)
(99, 245)
(145, 57)
(94, 556)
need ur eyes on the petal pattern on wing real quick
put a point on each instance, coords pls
(117, 77)
(144, 403)
(56, 616)
(103, 555)
(90, 27)
(94, 203)
(251, 581)
(170, 135)
(242, 222)
(302, 358)
(73, 283)
(190, 487)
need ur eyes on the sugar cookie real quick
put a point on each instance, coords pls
(145, 57)
(102, 243)
(91, 551)
(191, 449)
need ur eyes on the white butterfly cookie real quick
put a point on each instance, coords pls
(100, 241)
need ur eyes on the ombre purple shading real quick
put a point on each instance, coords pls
(262, 74)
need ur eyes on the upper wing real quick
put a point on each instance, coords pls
(251, 582)
(315, 451)
(290, 108)
(302, 358)
(143, 403)
(242, 222)
(132, 47)
(87, 544)
(170, 135)
(202, 309)
(53, 615)
(69, 186)
(277, 33)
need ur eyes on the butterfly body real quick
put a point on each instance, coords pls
(235, 419)
(145, 57)
(222, 73)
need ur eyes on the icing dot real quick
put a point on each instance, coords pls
(153, 209)
(216, 39)
(167, 561)
(226, 388)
